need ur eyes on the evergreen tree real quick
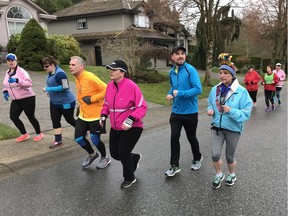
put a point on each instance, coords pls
(32, 46)
(200, 52)
(13, 43)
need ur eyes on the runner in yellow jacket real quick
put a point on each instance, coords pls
(92, 89)
(90, 95)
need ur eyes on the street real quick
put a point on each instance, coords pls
(261, 187)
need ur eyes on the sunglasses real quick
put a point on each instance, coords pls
(46, 66)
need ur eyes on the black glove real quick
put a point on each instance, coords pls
(252, 82)
(102, 120)
(77, 111)
(87, 99)
(102, 123)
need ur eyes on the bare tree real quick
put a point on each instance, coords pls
(210, 12)
(129, 49)
(268, 18)
(134, 50)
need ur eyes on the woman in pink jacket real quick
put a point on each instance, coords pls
(18, 86)
(282, 76)
(126, 106)
(251, 81)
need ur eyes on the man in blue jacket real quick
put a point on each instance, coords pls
(185, 88)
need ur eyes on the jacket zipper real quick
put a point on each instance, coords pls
(114, 105)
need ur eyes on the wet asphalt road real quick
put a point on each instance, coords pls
(261, 187)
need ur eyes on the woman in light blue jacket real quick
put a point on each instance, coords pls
(230, 106)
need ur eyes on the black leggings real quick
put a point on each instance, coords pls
(269, 96)
(56, 114)
(28, 106)
(189, 122)
(121, 145)
(253, 95)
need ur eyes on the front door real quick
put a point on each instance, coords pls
(98, 56)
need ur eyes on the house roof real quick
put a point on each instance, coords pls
(149, 34)
(96, 7)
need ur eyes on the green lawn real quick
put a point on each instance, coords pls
(7, 132)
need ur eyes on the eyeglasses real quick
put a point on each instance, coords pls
(46, 66)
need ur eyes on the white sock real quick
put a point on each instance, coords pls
(219, 174)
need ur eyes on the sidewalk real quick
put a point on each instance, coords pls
(16, 157)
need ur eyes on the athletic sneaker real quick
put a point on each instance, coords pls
(217, 181)
(104, 162)
(196, 164)
(89, 160)
(268, 109)
(279, 102)
(136, 160)
(55, 144)
(126, 184)
(23, 137)
(273, 107)
(38, 137)
(172, 171)
(230, 180)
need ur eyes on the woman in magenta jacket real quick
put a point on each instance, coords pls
(18, 86)
(126, 106)
(251, 81)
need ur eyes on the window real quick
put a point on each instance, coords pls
(141, 21)
(82, 23)
(17, 17)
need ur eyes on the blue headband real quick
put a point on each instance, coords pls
(230, 69)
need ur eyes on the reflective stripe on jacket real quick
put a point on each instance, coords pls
(123, 100)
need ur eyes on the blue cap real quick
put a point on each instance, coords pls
(230, 69)
(11, 56)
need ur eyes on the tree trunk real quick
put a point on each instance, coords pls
(209, 59)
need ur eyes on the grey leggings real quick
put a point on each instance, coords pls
(218, 138)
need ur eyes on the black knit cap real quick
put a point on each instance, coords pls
(175, 49)
(118, 65)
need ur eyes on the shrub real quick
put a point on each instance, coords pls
(62, 47)
(13, 43)
(256, 62)
(149, 76)
(241, 61)
(215, 69)
(32, 46)
(265, 63)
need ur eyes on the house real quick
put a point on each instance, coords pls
(92, 20)
(14, 14)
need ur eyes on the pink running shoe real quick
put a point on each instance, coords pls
(22, 137)
(38, 137)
